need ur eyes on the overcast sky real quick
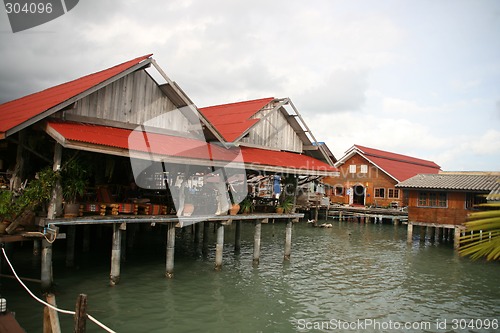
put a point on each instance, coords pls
(420, 78)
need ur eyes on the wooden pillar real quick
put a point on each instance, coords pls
(81, 314)
(341, 218)
(114, 276)
(51, 317)
(409, 233)
(46, 263)
(36, 247)
(56, 198)
(456, 239)
(288, 240)
(206, 230)
(86, 239)
(197, 233)
(170, 250)
(70, 245)
(237, 237)
(423, 230)
(219, 246)
(432, 233)
(395, 221)
(17, 176)
(256, 241)
(123, 242)
(440, 234)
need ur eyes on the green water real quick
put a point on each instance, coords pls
(339, 279)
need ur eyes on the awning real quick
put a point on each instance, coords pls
(181, 150)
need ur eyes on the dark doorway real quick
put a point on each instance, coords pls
(359, 195)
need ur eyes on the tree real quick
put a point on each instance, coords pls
(482, 233)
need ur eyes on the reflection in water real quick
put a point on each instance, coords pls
(346, 273)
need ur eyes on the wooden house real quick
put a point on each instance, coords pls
(447, 197)
(129, 118)
(368, 177)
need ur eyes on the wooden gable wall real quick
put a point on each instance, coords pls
(133, 99)
(273, 131)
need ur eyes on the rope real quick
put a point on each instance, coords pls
(50, 305)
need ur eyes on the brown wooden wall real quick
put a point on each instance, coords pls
(455, 213)
(134, 99)
(374, 178)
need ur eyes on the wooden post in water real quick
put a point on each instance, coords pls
(456, 239)
(440, 234)
(237, 237)
(432, 233)
(36, 247)
(46, 263)
(219, 246)
(114, 276)
(81, 314)
(197, 233)
(206, 230)
(423, 230)
(409, 233)
(288, 240)
(256, 241)
(86, 239)
(70, 246)
(51, 317)
(170, 250)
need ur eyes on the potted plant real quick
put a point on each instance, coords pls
(285, 206)
(73, 181)
(247, 206)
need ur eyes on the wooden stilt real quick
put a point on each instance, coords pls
(206, 230)
(114, 277)
(36, 247)
(440, 234)
(456, 239)
(46, 263)
(51, 317)
(123, 243)
(423, 230)
(219, 246)
(197, 233)
(86, 239)
(256, 241)
(70, 246)
(170, 250)
(432, 233)
(409, 233)
(237, 237)
(288, 240)
(81, 314)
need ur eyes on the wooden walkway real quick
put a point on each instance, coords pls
(377, 214)
(120, 222)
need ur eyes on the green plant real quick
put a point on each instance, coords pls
(7, 210)
(247, 206)
(482, 233)
(38, 191)
(287, 204)
(74, 180)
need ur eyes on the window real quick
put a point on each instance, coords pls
(474, 199)
(352, 168)
(339, 191)
(393, 193)
(380, 193)
(364, 168)
(432, 199)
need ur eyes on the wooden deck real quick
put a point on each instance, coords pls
(342, 212)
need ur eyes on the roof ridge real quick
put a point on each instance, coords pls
(395, 156)
(236, 103)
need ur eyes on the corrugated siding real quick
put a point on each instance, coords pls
(274, 132)
(134, 99)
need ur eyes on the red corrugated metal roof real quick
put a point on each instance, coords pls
(400, 167)
(232, 120)
(168, 145)
(16, 112)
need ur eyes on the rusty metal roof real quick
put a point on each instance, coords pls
(458, 182)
